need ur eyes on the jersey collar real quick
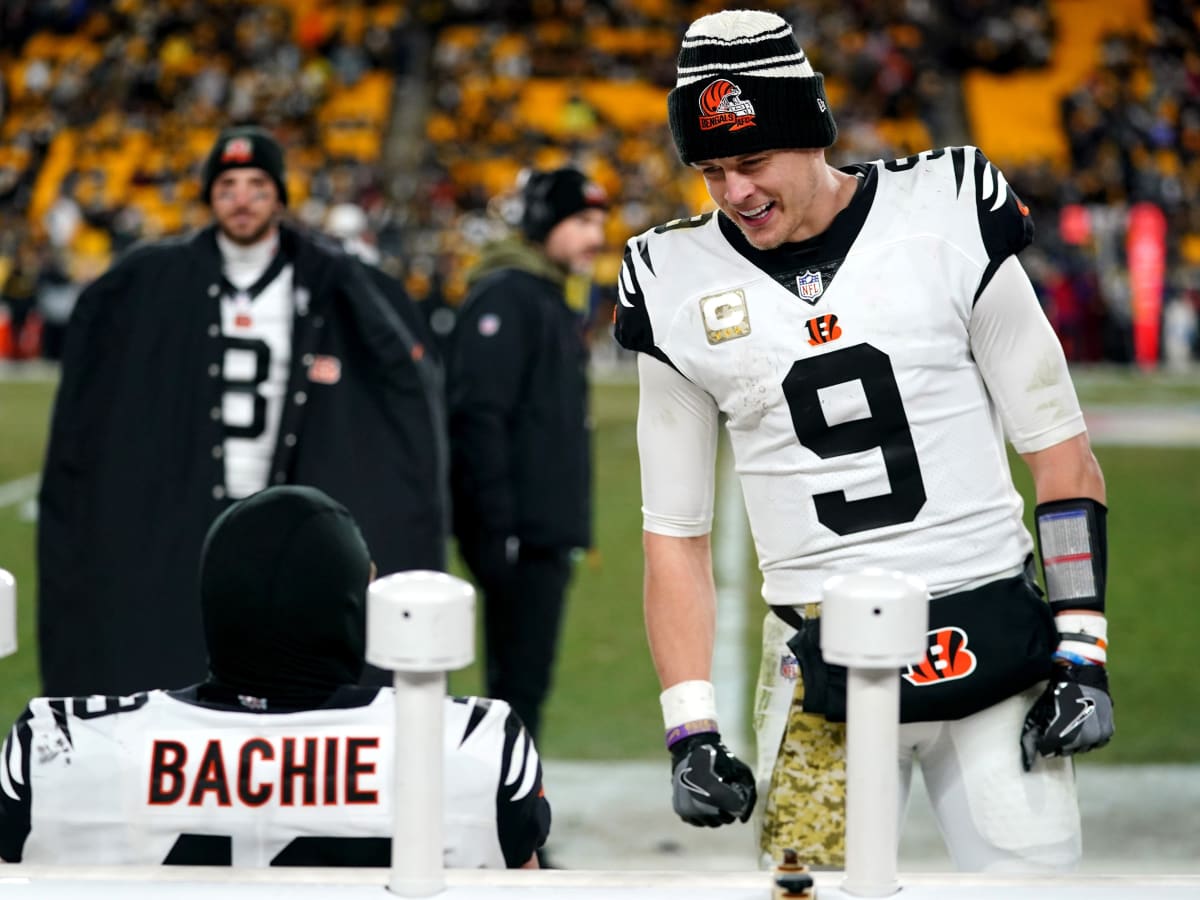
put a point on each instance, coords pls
(822, 253)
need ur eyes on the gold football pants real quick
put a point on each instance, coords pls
(804, 806)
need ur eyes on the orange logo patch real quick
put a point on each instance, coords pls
(594, 195)
(947, 659)
(721, 104)
(325, 370)
(822, 330)
(237, 150)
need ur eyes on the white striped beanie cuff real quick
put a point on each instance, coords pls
(744, 86)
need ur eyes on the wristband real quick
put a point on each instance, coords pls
(1083, 638)
(1087, 626)
(1061, 655)
(689, 707)
(1073, 546)
(687, 729)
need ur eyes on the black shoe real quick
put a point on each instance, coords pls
(544, 860)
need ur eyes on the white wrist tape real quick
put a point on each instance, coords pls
(688, 701)
(1083, 635)
(1095, 626)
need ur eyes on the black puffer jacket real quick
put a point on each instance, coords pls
(519, 429)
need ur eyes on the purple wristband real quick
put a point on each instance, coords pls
(687, 729)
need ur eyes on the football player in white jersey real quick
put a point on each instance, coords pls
(871, 340)
(279, 758)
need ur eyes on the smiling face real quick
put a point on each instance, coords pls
(773, 196)
(246, 205)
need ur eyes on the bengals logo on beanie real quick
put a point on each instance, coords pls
(744, 85)
(244, 147)
(721, 103)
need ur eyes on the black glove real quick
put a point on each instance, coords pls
(1074, 715)
(711, 786)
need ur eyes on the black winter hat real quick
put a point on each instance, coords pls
(244, 147)
(744, 85)
(550, 197)
(283, 583)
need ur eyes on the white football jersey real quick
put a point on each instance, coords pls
(258, 351)
(861, 427)
(166, 778)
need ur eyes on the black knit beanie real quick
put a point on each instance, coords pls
(244, 147)
(283, 583)
(744, 86)
(549, 197)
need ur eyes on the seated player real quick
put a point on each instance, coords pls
(279, 758)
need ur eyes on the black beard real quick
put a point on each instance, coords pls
(253, 239)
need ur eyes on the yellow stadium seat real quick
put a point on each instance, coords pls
(630, 105)
(1016, 117)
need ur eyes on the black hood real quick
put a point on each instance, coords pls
(283, 582)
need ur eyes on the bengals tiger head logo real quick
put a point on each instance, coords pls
(721, 104)
(946, 659)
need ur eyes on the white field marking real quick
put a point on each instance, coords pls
(729, 672)
(1144, 426)
(19, 490)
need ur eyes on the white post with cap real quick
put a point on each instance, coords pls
(420, 625)
(8, 614)
(873, 622)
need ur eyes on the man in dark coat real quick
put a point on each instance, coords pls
(519, 433)
(199, 370)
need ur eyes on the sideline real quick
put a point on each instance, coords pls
(17, 491)
(1136, 819)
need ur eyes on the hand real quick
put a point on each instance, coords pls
(496, 555)
(711, 786)
(1074, 715)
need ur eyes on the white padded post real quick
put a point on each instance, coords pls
(419, 625)
(8, 614)
(873, 622)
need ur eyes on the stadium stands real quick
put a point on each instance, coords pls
(106, 108)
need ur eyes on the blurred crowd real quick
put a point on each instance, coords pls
(1133, 134)
(408, 127)
(107, 108)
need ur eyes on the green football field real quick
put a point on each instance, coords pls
(604, 704)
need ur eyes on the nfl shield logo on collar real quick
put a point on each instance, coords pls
(809, 288)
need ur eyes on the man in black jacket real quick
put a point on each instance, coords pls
(199, 370)
(519, 433)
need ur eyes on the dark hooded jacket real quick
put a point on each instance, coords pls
(134, 476)
(283, 585)
(518, 395)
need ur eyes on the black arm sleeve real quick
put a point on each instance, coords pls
(522, 810)
(16, 793)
